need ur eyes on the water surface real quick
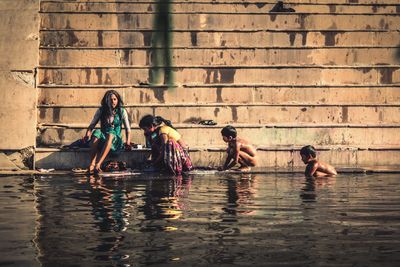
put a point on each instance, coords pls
(200, 220)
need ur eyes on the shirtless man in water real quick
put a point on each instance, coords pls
(239, 151)
(315, 168)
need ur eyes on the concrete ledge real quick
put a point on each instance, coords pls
(6, 164)
(214, 85)
(305, 2)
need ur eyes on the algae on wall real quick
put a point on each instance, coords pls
(161, 55)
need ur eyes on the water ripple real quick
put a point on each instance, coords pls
(200, 220)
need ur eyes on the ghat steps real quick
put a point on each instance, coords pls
(327, 74)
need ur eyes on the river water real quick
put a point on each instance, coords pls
(200, 220)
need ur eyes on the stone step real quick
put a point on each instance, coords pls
(258, 134)
(211, 7)
(195, 75)
(215, 39)
(276, 157)
(222, 21)
(315, 2)
(224, 94)
(235, 113)
(219, 57)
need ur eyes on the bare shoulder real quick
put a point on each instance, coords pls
(326, 168)
(246, 147)
(242, 141)
(244, 144)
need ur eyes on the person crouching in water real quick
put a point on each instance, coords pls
(239, 151)
(315, 168)
(169, 151)
(111, 115)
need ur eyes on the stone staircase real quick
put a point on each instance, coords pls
(327, 74)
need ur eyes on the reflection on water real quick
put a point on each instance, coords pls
(17, 221)
(308, 193)
(204, 220)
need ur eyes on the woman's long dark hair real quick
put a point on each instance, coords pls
(150, 120)
(107, 109)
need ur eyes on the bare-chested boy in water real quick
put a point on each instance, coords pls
(315, 168)
(239, 151)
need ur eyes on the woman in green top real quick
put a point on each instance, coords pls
(111, 115)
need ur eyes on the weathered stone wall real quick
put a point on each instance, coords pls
(19, 33)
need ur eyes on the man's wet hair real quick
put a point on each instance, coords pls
(229, 131)
(308, 151)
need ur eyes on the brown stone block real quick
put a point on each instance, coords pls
(321, 95)
(99, 58)
(98, 21)
(18, 110)
(378, 157)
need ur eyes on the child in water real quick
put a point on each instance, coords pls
(111, 115)
(315, 168)
(169, 151)
(239, 151)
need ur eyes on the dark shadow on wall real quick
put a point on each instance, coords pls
(160, 52)
(398, 53)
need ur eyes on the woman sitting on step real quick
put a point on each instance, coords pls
(111, 115)
(168, 151)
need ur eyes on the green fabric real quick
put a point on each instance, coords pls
(115, 130)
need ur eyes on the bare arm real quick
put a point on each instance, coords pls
(183, 144)
(234, 159)
(93, 123)
(164, 140)
(237, 152)
(128, 138)
(228, 159)
(127, 126)
(311, 168)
